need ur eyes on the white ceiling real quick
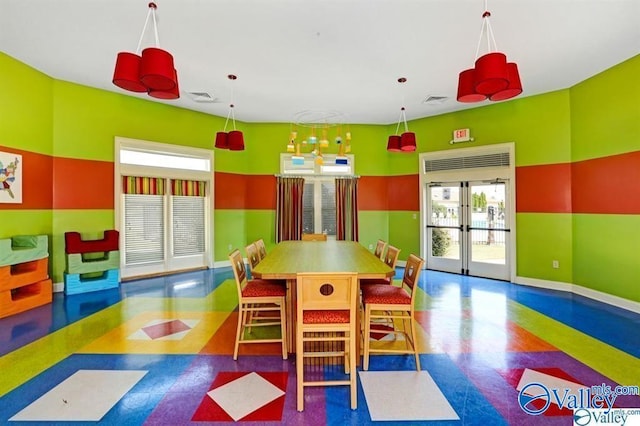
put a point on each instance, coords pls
(338, 56)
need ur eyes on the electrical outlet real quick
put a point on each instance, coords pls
(230, 247)
(370, 246)
(555, 264)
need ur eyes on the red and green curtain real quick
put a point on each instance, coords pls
(138, 185)
(347, 209)
(289, 208)
(192, 188)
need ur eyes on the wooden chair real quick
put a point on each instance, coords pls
(314, 237)
(380, 247)
(326, 314)
(253, 256)
(390, 258)
(257, 297)
(262, 250)
(397, 304)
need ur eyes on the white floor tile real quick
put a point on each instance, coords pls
(86, 395)
(245, 395)
(404, 395)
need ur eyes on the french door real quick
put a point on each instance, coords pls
(163, 233)
(162, 207)
(468, 226)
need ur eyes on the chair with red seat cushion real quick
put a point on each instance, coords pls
(326, 327)
(393, 305)
(381, 245)
(262, 250)
(257, 296)
(253, 256)
(390, 258)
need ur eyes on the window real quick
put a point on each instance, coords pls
(144, 228)
(162, 207)
(319, 207)
(188, 225)
(319, 198)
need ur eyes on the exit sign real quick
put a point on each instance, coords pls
(461, 135)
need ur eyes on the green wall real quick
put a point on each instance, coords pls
(26, 123)
(63, 119)
(605, 120)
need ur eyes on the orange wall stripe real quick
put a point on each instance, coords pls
(229, 191)
(37, 192)
(234, 191)
(260, 192)
(608, 185)
(82, 184)
(372, 193)
(544, 189)
(404, 193)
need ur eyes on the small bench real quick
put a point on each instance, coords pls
(74, 244)
(23, 248)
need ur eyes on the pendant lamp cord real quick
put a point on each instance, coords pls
(486, 29)
(233, 118)
(403, 115)
(402, 119)
(151, 12)
(231, 112)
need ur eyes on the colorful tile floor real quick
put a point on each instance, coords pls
(159, 352)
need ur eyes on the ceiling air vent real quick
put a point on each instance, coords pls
(434, 100)
(203, 97)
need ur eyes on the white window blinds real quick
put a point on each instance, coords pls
(188, 225)
(144, 228)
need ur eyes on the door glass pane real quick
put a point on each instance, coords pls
(445, 219)
(488, 244)
(144, 229)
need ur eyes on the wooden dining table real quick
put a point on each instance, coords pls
(290, 257)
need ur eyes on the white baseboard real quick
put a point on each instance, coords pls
(58, 287)
(609, 299)
(223, 264)
(620, 302)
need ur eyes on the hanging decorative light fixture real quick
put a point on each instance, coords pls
(327, 124)
(233, 140)
(152, 71)
(492, 77)
(406, 142)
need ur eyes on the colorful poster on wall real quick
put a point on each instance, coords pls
(10, 178)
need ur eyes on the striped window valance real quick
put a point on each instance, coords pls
(138, 185)
(195, 188)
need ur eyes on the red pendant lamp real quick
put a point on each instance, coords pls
(492, 77)
(491, 73)
(156, 69)
(406, 142)
(222, 140)
(170, 94)
(513, 89)
(393, 145)
(152, 71)
(127, 72)
(234, 139)
(466, 87)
